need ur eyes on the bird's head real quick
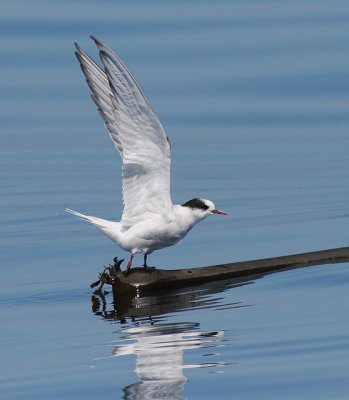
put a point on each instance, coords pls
(203, 208)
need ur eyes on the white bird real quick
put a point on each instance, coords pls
(149, 221)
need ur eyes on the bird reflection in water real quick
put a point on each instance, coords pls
(160, 350)
(160, 346)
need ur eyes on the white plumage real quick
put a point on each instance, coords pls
(149, 221)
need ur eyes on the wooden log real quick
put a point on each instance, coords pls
(141, 280)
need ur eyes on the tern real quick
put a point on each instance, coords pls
(150, 221)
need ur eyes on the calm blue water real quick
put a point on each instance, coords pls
(255, 99)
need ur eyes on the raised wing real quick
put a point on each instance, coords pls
(136, 132)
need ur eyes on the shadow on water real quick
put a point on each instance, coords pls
(160, 346)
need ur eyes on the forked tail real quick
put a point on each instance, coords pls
(97, 222)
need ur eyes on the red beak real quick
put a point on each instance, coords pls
(219, 212)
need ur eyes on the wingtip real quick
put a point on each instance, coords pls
(97, 41)
(78, 55)
(77, 46)
(79, 52)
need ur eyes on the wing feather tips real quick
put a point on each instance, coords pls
(99, 85)
(89, 67)
(107, 118)
(96, 40)
(112, 61)
(135, 130)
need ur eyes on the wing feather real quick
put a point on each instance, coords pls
(136, 132)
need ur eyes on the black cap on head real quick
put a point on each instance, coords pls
(196, 203)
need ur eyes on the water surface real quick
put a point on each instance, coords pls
(255, 99)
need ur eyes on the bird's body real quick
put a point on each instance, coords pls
(150, 221)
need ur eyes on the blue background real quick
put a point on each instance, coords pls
(254, 97)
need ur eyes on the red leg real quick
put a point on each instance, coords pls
(130, 263)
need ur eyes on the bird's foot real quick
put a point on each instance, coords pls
(147, 267)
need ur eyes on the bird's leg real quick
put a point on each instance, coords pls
(145, 265)
(130, 263)
(145, 261)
